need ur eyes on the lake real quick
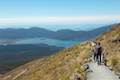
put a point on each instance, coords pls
(51, 42)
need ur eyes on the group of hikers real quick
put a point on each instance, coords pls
(97, 52)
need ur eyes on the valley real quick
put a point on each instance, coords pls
(12, 56)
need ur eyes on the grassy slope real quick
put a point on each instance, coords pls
(57, 67)
(64, 64)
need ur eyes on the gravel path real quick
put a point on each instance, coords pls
(100, 72)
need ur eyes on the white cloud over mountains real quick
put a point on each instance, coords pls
(61, 20)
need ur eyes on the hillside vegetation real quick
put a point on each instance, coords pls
(65, 64)
(57, 67)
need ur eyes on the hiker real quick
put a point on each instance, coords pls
(93, 48)
(98, 52)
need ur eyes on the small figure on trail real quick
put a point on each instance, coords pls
(93, 49)
(99, 53)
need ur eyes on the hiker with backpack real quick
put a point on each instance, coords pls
(98, 53)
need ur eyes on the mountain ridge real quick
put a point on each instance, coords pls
(65, 34)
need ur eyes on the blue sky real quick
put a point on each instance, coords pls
(35, 8)
(58, 11)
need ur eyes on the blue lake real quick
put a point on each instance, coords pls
(52, 42)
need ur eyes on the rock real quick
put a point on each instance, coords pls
(86, 67)
(118, 74)
(77, 76)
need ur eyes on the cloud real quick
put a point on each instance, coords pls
(61, 20)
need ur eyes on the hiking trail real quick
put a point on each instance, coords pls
(100, 72)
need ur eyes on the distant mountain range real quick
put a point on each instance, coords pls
(65, 34)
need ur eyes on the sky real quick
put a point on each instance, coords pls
(13, 12)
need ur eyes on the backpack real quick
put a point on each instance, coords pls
(99, 50)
